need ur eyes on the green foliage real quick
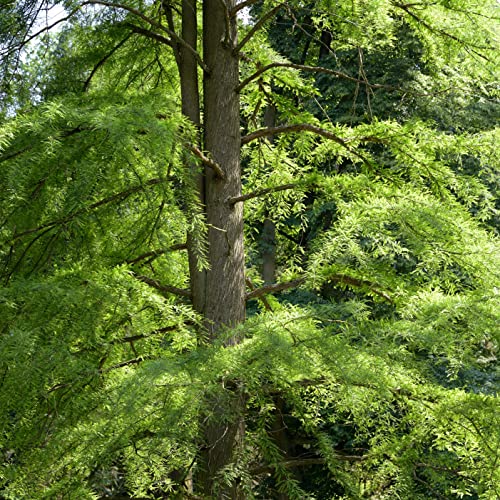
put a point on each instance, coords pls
(376, 378)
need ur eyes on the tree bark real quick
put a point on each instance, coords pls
(224, 292)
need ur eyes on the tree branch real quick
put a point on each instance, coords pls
(103, 61)
(157, 253)
(312, 69)
(207, 161)
(260, 192)
(118, 196)
(301, 127)
(337, 278)
(442, 32)
(174, 36)
(278, 287)
(162, 288)
(241, 6)
(257, 27)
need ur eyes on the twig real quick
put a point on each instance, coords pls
(207, 161)
(162, 288)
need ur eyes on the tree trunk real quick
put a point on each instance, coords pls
(190, 96)
(224, 294)
(268, 239)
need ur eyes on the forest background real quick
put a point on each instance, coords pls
(249, 250)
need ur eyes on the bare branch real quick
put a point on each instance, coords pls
(162, 288)
(257, 27)
(174, 36)
(157, 253)
(241, 6)
(263, 299)
(207, 161)
(312, 69)
(278, 287)
(260, 192)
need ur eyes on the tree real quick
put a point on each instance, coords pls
(135, 366)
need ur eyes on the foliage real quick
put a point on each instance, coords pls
(373, 374)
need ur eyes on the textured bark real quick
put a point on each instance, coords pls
(225, 284)
(188, 72)
(224, 293)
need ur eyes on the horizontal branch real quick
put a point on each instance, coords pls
(312, 69)
(278, 287)
(207, 161)
(304, 462)
(260, 192)
(337, 278)
(118, 196)
(301, 127)
(162, 288)
(157, 252)
(298, 127)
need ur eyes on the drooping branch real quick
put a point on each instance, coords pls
(162, 288)
(207, 161)
(311, 69)
(157, 253)
(105, 201)
(260, 192)
(468, 46)
(103, 61)
(263, 19)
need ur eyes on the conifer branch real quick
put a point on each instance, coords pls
(105, 201)
(103, 61)
(304, 462)
(150, 34)
(207, 161)
(260, 192)
(157, 253)
(302, 127)
(312, 69)
(129, 362)
(468, 46)
(298, 127)
(162, 288)
(336, 278)
(263, 19)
